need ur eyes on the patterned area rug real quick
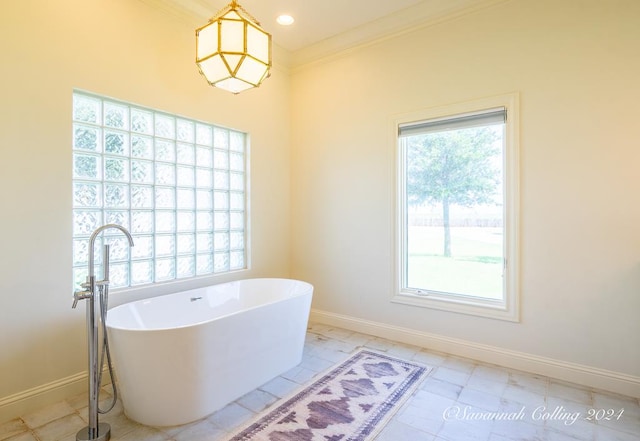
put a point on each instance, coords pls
(352, 402)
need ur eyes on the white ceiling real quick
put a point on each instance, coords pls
(337, 23)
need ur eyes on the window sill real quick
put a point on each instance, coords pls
(467, 306)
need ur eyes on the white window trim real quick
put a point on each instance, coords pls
(509, 309)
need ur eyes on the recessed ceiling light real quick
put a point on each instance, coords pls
(285, 20)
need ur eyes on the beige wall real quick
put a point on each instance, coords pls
(322, 167)
(129, 51)
(576, 67)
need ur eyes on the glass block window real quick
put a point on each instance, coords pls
(177, 184)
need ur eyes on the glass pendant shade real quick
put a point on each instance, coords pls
(232, 51)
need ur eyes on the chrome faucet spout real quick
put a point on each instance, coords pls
(92, 241)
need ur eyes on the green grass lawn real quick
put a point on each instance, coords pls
(474, 269)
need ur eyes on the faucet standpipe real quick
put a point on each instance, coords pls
(95, 431)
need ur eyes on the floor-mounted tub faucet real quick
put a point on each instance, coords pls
(95, 430)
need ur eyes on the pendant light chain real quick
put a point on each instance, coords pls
(234, 5)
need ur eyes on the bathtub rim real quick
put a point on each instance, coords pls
(307, 291)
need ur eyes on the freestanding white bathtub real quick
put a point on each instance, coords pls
(180, 357)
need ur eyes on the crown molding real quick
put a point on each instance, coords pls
(194, 13)
(425, 14)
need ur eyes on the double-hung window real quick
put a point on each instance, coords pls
(457, 208)
(177, 184)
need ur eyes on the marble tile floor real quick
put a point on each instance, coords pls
(461, 400)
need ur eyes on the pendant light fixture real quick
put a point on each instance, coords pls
(232, 51)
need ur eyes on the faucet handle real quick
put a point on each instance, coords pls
(80, 295)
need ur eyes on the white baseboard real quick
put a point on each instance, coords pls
(576, 373)
(32, 399)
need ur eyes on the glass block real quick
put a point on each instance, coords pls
(86, 221)
(116, 169)
(204, 134)
(116, 196)
(204, 221)
(165, 245)
(86, 138)
(186, 131)
(119, 275)
(97, 254)
(118, 248)
(142, 171)
(118, 217)
(86, 109)
(186, 244)
(143, 248)
(220, 262)
(98, 268)
(79, 277)
(204, 178)
(221, 179)
(221, 159)
(116, 143)
(236, 181)
(141, 222)
(204, 242)
(165, 198)
(237, 201)
(221, 200)
(236, 141)
(186, 266)
(165, 174)
(236, 260)
(141, 196)
(87, 167)
(191, 159)
(185, 176)
(186, 198)
(204, 199)
(204, 157)
(237, 220)
(236, 240)
(141, 147)
(116, 115)
(221, 241)
(141, 121)
(185, 154)
(236, 161)
(220, 138)
(186, 221)
(165, 221)
(141, 272)
(165, 126)
(165, 150)
(221, 220)
(86, 194)
(165, 269)
(80, 251)
(204, 264)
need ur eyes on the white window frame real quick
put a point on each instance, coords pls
(509, 308)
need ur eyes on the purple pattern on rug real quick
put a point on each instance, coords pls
(297, 435)
(325, 413)
(344, 405)
(358, 388)
(380, 370)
